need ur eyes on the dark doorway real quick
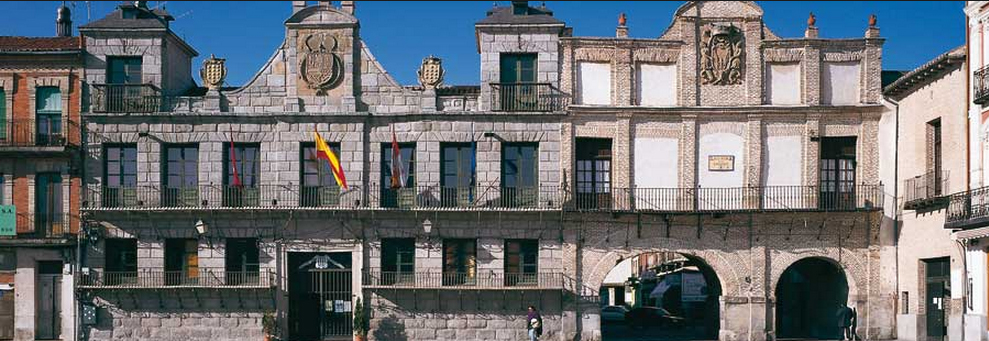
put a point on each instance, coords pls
(593, 173)
(673, 297)
(808, 296)
(837, 173)
(49, 322)
(937, 288)
(320, 296)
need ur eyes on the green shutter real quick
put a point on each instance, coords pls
(48, 100)
(3, 114)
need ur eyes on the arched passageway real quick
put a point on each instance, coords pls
(808, 296)
(661, 296)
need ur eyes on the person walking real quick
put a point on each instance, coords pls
(845, 321)
(855, 324)
(534, 324)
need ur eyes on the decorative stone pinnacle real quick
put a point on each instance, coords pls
(872, 20)
(621, 19)
(811, 20)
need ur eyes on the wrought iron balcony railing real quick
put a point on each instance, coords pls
(467, 197)
(925, 189)
(980, 84)
(968, 209)
(44, 226)
(766, 198)
(192, 278)
(527, 97)
(39, 133)
(478, 280)
(219, 196)
(125, 98)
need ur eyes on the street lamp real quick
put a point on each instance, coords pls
(427, 226)
(202, 229)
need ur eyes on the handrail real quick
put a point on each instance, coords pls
(527, 97)
(39, 133)
(125, 98)
(197, 277)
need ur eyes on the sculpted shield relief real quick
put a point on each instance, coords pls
(721, 55)
(319, 65)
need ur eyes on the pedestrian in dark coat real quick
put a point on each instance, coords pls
(534, 324)
(845, 315)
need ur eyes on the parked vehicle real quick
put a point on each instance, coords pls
(613, 313)
(643, 317)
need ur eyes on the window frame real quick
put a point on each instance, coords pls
(240, 149)
(127, 76)
(516, 253)
(462, 269)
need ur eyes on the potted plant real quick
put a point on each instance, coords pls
(361, 323)
(269, 324)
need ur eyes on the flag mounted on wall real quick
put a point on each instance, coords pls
(399, 173)
(323, 152)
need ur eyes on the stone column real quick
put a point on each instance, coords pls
(621, 161)
(811, 68)
(753, 159)
(812, 152)
(622, 74)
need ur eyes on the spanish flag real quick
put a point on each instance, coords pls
(323, 152)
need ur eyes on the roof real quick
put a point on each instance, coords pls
(39, 44)
(504, 15)
(890, 76)
(944, 63)
(142, 18)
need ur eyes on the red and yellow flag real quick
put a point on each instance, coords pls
(323, 152)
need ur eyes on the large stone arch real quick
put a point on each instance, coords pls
(851, 263)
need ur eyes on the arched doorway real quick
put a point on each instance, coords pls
(667, 295)
(808, 296)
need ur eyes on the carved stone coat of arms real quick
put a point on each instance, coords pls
(213, 72)
(721, 55)
(319, 64)
(431, 72)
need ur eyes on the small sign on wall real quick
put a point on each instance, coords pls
(721, 163)
(8, 220)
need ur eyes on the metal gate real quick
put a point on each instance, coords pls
(48, 324)
(6, 314)
(333, 289)
(938, 277)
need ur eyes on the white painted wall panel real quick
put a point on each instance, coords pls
(840, 83)
(720, 189)
(594, 83)
(656, 84)
(656, 172)
(782, 172)
(784, 84)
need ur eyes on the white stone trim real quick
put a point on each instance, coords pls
(842, 56)
(783, 55)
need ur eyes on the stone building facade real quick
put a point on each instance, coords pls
(572, 154)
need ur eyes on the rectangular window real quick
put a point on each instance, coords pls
(121, 261)
(180, 175)
(516, 91)
(593, 173)
(48, 216)
(520, 174)
(837, 173)
(242, 261)
(459, 261)
(3, 116)
(398, 260)
(241, 165)
(124, 70)
(120, 176)
(936, 178)
(392, 192)
(518, 68)
(48, 116)
(3, 183)
(181, 261)
(319, 188)
(457, 174)
(521, 262)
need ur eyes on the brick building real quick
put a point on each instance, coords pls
(40, 182)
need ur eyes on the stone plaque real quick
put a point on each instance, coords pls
(721, 163)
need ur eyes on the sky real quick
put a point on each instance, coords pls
(401, 34)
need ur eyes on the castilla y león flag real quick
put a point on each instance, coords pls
(323, 152)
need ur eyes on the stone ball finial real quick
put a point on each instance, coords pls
(622, 19)
(872, 20)
(811, 20)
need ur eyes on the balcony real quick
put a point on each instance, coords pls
(41, 230)
(38, 135)
(220, 197)
(925, 191)
(736, 199)
(527, 97)
(480, 280)
(490, 197)
(125, 98)
(968, 209)
(980, 84)
(194, 279)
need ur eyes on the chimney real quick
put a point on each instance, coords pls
(347, 7)
(298, 6)
(63, 22)
(520, 7)
(811, 32)
(141, 4)
(622, 30)
(873, 30)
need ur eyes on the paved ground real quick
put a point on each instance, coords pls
(621, 332)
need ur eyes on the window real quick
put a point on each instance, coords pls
(398, 260)
(593, 173)
(242, 261)
(48, 205)
(180, 175)
(241, 180)
(521, 259)
(457, 169)
(3, 115)
(319, 188)
(3, 188)
(520, 174)
(181, 262)
(120, 176)
(124, 70)
(459, 261)
(518, 67)
(517, 91)
(936, 177)
(392, 195)
(121, 261)
(594, 83)
(837, 173)
(8, 260)
(48, 115)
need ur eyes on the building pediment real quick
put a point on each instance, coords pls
(321, 16)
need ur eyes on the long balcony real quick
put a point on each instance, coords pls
(522, 97)
(125, 98)
(925, 190)
(36, 229)
(35, 135)
(980, 85)
(193, 278)
(968, 209)
(478, 280)
(490, 197)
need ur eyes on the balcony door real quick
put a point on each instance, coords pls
(124, 70)
(242, 262)
(48, 116)
(319, 188)
(459, 261)
(240, 185)
(519, 175)
(517, 78)
(593, 173)
(120, 176)
(457, 169)
(837, 173)
(48, 205)
(180, 177)
(181, 261)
